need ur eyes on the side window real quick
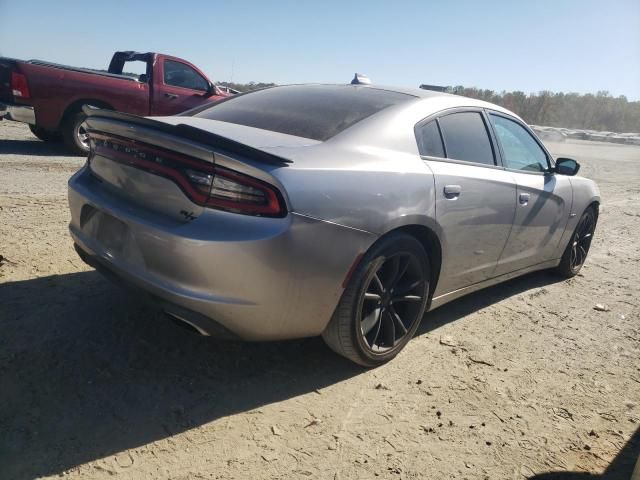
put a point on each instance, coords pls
(429, 140)
(466, 138)
(180, 75)
(136, 69)
(520, 150)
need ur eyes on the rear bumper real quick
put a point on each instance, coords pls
(17, 113)
(204, 325)
(256, 278)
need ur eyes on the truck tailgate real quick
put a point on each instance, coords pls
(7, 65)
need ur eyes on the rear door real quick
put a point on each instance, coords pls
(177, 87)
(542, 198)
(475, 197)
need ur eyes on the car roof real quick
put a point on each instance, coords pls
(450, 98)
(428, 97)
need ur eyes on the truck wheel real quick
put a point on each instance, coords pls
(75, 134)
(44, 134)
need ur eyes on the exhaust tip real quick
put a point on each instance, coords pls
(187, 325)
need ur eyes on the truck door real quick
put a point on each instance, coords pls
(177, 87)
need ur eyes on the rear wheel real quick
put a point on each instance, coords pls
(44, 134)
(576, 252)
(382, 306)
(75, 134)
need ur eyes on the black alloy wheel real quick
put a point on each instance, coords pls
(383, 304)
(581, 240)
(391, 302)
(576, 252)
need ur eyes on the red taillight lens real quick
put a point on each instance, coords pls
(19, 86)
(237, 192)
(205, 184)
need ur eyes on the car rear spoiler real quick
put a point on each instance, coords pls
(190, 133)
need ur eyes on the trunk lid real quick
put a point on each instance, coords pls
(172, 167)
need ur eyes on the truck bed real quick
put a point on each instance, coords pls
(43, 63)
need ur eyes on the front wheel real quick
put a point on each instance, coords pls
(382, 306)
(576, 252)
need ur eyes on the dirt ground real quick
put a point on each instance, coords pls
(512, 382)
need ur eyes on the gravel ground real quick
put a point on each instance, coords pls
(515, 381)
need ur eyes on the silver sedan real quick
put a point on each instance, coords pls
(346, 211)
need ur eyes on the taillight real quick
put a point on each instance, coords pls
(19, 86)
(205, 184)
(237, 192)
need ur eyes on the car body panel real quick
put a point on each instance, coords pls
(273, 278)
(477, 222)
(585, 193)
(542, 207)
(261, 278)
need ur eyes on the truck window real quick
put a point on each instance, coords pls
(178, 74)
(136, 69)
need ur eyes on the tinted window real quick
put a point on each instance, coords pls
(521, 151)
(465, 137)
(429, 141)
(311, 111)
(178, 74)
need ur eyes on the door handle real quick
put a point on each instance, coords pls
(452, 191)
(523, 198)
(171, 96)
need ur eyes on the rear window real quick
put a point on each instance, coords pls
(429, 141)
(317, 112)
(466, 138)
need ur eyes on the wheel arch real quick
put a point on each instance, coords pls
(432, 245)
(76, 106)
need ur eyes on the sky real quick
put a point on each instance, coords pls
(561, 45)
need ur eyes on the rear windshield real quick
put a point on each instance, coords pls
(311, 111)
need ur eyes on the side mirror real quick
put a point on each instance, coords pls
(566, 166)
(211, 90)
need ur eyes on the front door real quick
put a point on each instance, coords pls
(541, 211)
(179, 88)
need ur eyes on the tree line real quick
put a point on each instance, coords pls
(246, 87)
(569, 110)
(601, 111)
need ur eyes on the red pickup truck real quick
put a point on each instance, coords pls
(49, 97)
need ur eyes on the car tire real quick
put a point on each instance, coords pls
(395, 314)
(577, 250)
(44, 134)
(74, 134)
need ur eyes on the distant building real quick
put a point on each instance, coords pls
(435, 88)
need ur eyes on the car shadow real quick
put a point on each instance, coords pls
(621, 468)
(88, 370)
(33, 147)
(483, 298)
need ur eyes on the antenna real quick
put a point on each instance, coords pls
(360, 79)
